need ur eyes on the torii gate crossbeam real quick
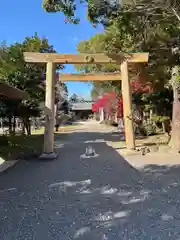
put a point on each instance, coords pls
(51, 59)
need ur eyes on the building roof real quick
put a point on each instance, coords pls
(11, 92)
(81, 106)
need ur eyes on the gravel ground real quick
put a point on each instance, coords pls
(102, 198)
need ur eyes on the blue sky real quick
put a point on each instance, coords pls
(23, 18)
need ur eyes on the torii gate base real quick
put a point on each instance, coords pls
(52, 59)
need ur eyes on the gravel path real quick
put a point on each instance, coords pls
(101, 198)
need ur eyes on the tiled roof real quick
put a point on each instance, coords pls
(81, 106)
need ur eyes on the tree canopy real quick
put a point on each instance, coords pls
(25, 76)
(97, 11)
(101, 11)
(127, 34)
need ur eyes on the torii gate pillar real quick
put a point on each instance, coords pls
(127, 107)
(49, 112)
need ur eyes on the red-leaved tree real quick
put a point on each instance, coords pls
(112, 102)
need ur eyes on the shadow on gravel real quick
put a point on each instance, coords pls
(92, 136)
(101, 198)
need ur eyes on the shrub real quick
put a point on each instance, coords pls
(150, 129)
(4, 140)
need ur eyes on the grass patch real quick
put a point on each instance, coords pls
(67, 128)
(38, 131)
(62, 129)
(23, 147)
(159, 139)
(17, 147)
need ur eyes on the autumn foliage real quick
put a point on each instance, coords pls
(138, 85)
(111, 102)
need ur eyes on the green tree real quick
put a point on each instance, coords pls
(119, 38)
(98, 44)
(96, 9)
(100, 11)
(27, 77)
(167, 12)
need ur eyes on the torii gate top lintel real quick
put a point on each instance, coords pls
(102, 58)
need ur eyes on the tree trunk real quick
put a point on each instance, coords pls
(23, 129)
(10, 124)
(27, 125)
(150, 115)
(163, 127)
(28, 128)
(56, 118)
(14, 126)
(175, 134)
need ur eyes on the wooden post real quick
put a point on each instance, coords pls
(127, 107)
(49, 112)
(101, 110)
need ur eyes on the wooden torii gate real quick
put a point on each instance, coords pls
(51, 59)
